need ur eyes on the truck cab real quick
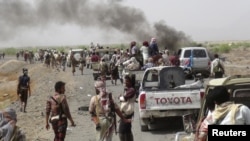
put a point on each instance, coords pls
(239, 89)
(77, 53)
(197, 58)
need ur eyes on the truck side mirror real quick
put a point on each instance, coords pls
(189, 122)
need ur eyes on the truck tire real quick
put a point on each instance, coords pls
(144, 128)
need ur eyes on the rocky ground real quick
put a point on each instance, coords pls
(79, 89)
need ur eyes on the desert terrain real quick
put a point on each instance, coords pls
(79, 89)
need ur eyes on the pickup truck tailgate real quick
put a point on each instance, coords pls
(160, 100)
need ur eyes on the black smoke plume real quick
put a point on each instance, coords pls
(111, 15)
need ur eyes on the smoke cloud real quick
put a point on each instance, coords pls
(111, 15)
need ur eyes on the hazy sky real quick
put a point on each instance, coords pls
(201, 19)
(76, 22)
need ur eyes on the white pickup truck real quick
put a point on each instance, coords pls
(165, 93)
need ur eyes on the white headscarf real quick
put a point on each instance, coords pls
(7, 123)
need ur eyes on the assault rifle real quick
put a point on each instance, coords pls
(113, 113)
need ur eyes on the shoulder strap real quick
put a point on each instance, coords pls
(60, 107)
(220, 66)
(97, 107)
(54, 100)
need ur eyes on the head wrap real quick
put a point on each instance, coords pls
(133, 43)
(25, 71)
(153, 39)
(99, 84)
(166, 51)
(11, 112)
(145, 43)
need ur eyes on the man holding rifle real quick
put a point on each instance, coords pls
(103, 112)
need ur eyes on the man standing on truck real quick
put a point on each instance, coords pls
(153, 47)
(217, 67)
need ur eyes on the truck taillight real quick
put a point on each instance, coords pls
(142, 101)
(209, 63)
(202, 94)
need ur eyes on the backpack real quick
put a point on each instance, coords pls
(18, 135)
(218, 67)
(23, 80)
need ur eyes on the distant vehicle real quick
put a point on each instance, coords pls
(164, 93)
(77, 53)
(100, 53)
(198, 57)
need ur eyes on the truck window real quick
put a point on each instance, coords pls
(242, 93)
(154, 77)
(200, 53)
(242, 96)
(187, 53)
(151, 75)
(151, 79)
(171, 77)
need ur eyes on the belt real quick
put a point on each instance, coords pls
(57, 117)
(24, 88)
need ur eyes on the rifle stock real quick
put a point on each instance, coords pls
(112, 107)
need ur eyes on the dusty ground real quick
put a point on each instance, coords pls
(79, 88)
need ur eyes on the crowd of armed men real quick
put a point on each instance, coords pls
(133, 58)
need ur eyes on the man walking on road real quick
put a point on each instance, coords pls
(57, 106)
(127, 108)
(23, 89)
